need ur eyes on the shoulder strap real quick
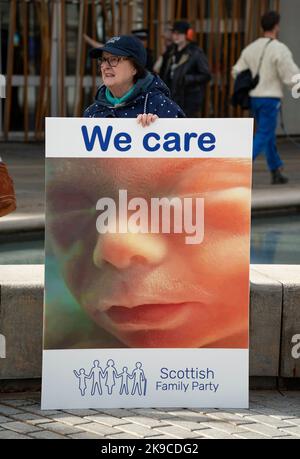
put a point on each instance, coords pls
(263, 55)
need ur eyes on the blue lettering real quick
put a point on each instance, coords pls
(122, 138)
(207, 139)
(164, 373)
(172, 142)
(146, 141)
(172, 374)
(151, 142)
(180, 374)
(187, 140)
(96, 133)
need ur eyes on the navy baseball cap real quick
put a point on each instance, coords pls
(181, 27)
(123, 45)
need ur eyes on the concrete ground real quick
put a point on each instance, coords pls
(26, 164)
(272, 415)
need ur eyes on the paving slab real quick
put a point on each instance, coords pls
(264, 420)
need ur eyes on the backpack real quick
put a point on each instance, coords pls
(245, 83)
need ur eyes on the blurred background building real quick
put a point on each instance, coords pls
(44, 56)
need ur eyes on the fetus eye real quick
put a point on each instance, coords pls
(68, 200)
(70, 215)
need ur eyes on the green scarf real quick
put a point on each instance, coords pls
(115, 100)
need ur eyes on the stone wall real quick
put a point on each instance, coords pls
(274, 321)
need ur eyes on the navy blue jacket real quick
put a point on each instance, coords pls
(150, 95)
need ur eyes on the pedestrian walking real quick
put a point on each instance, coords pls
(185, 70)
(274, 63)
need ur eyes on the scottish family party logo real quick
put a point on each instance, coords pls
(108, 379)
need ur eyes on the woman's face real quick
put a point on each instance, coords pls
(154, 290)
(115, 78)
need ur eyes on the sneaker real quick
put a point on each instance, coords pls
(278, 178)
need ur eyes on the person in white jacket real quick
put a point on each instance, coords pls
(277, 68)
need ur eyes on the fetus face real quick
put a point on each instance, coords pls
(154, 290)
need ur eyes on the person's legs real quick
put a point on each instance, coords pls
(273, 159)
(264, 117)
(272, 155)
(265, 112)
(135, 385)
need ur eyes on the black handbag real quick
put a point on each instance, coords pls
(245, 83)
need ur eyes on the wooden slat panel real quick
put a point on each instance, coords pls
(129, 16)
(173, 11)
(104, 14)
(202, 19)
(232, 48)
(48, 95)
(249, 21)
(277, 5)
(160, 28)
(39, 97)
(212, 62)
(210, 38)
(62, 51)
(94, 36)
(81, 57)
(41, 8)
(145, 13)
(239, 112)
(225, 78)
(179, 9)
(113, 17)
(151, 21)
(25, 68)
(124, 17)
(10, 61)
(258, 18)
(218, 57)
(264, 6)
(47, 51)
(190, 16)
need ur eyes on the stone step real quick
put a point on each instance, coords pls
(274, 321)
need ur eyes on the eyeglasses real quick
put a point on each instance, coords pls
(111, 61)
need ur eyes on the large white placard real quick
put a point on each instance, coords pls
(147, 263)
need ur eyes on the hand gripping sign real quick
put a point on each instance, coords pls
(147, 263)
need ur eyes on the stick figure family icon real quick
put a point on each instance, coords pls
(134, 383)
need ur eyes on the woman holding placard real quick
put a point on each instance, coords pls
(128, 89)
